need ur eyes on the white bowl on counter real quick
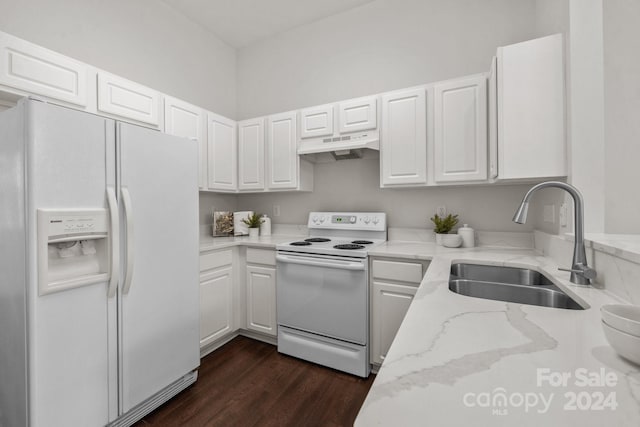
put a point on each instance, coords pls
(626, 345)
(623, 317)
(451, 240)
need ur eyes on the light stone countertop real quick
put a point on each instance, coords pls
(456, 359)
(208, 243)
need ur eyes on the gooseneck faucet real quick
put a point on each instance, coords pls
(581, 273)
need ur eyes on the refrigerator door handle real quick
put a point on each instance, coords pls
(128, 212)
(115, 242)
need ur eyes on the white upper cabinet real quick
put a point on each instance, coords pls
(316, 121)
(222, 153)
(282, 152)
(126, 99)
(36, 70)
(530, 104)
(460, 129)
(358, 114)
(251, 154)
(403, 146)
(188, 121)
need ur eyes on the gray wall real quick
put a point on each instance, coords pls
(143, 40)
(355, 185)
(380, 46)
(622, 115)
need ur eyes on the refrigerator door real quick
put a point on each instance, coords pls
(70, 353)
(159, 321)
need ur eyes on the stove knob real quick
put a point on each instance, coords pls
(352, 220)
(315, 219)
(322, 220)
(366, 220)
(376, 220)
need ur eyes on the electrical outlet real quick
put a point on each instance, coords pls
(276, 210)
(549, 214)
(441, 211)
(563, 215)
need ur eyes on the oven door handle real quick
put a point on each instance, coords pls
(321, 262)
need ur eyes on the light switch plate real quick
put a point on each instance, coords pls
(549, 214)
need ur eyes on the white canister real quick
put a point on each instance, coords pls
(265, 227)
(468, 236)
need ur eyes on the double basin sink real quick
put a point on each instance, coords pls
(519, 285)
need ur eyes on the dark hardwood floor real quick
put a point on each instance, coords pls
(248, 383)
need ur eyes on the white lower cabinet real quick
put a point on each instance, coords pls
(390, 303)
(261, 291)
(261, 307)
(216, 296)
(393, 286)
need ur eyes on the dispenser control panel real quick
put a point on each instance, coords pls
(62, 224)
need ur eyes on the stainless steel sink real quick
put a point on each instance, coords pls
(519, 285)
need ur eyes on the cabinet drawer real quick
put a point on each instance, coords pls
(397, 271)
(213, 260)
(261, 256)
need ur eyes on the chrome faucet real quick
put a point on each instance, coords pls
(581, 273)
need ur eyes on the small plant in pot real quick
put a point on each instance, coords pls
(253, 222)
(443, 225)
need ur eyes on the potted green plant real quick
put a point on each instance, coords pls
(253, 222)
(443, 225)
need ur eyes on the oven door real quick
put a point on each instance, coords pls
(323, 295)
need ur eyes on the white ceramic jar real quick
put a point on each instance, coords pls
(468, 236)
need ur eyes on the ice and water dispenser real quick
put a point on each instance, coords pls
(73, 249)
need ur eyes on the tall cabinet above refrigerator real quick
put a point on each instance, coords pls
(99, 261)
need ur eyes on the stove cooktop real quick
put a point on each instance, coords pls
(336, 246)
(350, 234)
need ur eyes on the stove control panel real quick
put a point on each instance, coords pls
(375, 221)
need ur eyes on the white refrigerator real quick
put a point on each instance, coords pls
(99, 265)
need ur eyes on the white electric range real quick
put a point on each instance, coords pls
(323, 290)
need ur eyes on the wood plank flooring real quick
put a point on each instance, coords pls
(248, 383)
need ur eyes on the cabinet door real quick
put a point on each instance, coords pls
(261, 299)
(216, 305)
(40, 71)
(188, 121)
(222, 152)
(282, 152)
(460, 130)
(251, 155)
(390, 304)
(403, 147)
(531, 134)
(124, 98)
(358, 114)
(316, 121)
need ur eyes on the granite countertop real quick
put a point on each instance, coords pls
(458, 360)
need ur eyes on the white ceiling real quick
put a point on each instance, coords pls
(243, 22)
